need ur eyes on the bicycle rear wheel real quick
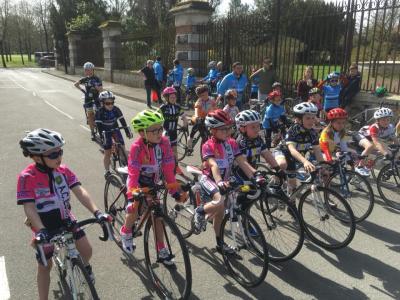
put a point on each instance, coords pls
(181, 146)
(119, 159)
(181, 213)
(79, 282)
(249, 264)
(282, 227)
(115, 202)
(171, 281)
(327, 218)
(388, 184)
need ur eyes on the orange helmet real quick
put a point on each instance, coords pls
(274, 93)
(336, 113)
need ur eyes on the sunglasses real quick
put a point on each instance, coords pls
(54, 155)
(108, 103)
(226, 129)
(156, 130)
(334, 80)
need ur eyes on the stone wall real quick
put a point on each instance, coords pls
(367, 100)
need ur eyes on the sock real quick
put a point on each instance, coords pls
(160, 245)
(200, 210)
(219, 241)
(126, 230)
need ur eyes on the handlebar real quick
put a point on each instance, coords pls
(139, 192)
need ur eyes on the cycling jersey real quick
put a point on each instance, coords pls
(146, 163)
(204, 107)
(50, 191)
(331, 141)
(177, 75)
(303, 139)
(90, 84)
(212, 75)
(375, 131)
(231, 110)
(108, 119)
(224, 154)
(331, 96)
(190, 81)
(272, 115)
(171, 114)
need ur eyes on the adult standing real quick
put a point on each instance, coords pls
(235, 80)
(266, 77)
(306, 83)
(149, 81)
(177, 74)
(159, 73)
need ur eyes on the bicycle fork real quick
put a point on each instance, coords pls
(318, 203)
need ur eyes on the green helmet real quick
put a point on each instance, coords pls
(145, 119)
(381, 91)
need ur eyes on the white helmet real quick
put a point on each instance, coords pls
(106, 95)
(190, 70)
(383, 113)
(305, 108)
(41, 140)
(212, 64)
(247, 117)
(88, 66)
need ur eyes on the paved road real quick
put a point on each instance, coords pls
(29, 99)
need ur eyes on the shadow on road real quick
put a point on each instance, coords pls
(381, 233)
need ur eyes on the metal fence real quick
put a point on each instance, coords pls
(137, 48)
(328, 37)
(91, 49)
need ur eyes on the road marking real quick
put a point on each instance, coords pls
(84, 127)
(4, 289)
(34, 94)
(59, 110)
(20, 85)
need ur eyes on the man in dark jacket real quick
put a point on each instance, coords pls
(351, 86)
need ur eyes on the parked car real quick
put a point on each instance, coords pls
(47, 61)
(39, 55)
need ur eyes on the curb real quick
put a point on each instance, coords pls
(116, 93)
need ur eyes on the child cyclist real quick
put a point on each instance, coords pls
(230, 107)
(300, 139)
(149, 157)
(44, 189)
(219, 154)
(332, 89)
(371, 137)
(171, 113)
(202, 107)
(190, 86)
(274, 116)
(107, 118)
(332, 138)
(93, 87)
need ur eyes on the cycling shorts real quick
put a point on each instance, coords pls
(208, 188)
(173, 137)
(108, 139)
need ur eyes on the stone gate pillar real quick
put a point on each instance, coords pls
(189, 16)
(111, 32)
(73, 47)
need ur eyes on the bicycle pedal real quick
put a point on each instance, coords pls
(137, 234)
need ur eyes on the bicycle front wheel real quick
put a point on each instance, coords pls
(356, 190)
(115, 202)
(379, 162)
(327, 218)
(248, 265)
(79, 282)
(281, 227)
(181, 146)
(388, 184)
(172, 278)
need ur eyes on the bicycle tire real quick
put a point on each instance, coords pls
(259, 252)
(155, 267)
(378, 165)
(346, 218)
(181, 144)
(112, 188)
(383, 176)
(181, 213)
(77, 266)
(119, 157)
(362, 207)
(282, 227)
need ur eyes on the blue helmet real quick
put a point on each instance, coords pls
(333, 75)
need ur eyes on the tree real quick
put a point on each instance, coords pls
(4, 16)
(42, 11)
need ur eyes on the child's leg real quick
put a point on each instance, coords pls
(107, 159)
(215, 210)
(84, 248)
(43, 279)
(368, 148)
(195, 128)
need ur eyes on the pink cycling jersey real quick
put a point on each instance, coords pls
(49, 191)
(375, 131)
(146, 163)
(224, 154)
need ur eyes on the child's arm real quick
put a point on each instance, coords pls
(33, 216)
(379, 145)
(214, 169)
(308, 166)
(245, 166)
(318, 153)
(84, 198)
(269, 158)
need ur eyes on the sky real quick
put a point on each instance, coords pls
(225, 4)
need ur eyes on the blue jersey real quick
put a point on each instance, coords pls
(190, 81)
(331, 96)
(272, 115)
(211, 76)
(231, 81)
(177, 74)
(158, 71)
(108, 119)
(91, 83)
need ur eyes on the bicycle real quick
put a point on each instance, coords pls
(183, 134)
(236, 227)
(319, 205)
(353, 187)
(90, 108)
(118, 153)
(151, 215)
(388, 180)
(289, 103)
(70, 266)
(279, 220)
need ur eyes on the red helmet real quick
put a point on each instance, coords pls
(336, 113)
(274, 93)
(168, 91)
(218, 118)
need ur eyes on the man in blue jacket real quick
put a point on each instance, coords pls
(159, 73)
(177, 75)
(235, 80)
(212, 76)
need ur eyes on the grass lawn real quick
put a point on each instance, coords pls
(320, 71)
(17, 62)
